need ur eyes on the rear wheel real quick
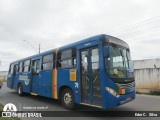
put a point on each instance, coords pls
(67, 99)
(20, 90)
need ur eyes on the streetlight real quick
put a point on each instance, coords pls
(33, 46)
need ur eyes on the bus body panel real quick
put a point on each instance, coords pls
(15, 81)
(9, 81)
(24, 79)
(45, 82)
(63, 79)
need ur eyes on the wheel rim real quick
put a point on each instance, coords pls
(67, 98)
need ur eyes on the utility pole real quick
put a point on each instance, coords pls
(39, 48)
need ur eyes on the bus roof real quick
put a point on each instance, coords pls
(95, 38)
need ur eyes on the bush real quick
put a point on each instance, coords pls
(1, 82)
(154, 92)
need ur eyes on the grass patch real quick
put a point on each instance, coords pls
(154, 92)
(1, 107)
(7, 118)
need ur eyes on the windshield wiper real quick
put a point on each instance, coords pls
(122, 56)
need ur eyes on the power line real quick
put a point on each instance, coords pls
(140, 31)
(144, 36)
(135, 25)
(30, 45)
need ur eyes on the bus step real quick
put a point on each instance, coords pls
(95, 95)
(96, 88)
(35, 94)
(98, 96)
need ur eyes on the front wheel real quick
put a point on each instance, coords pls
(67, 99)
(20, 90)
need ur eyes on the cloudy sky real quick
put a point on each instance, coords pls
(54, 23)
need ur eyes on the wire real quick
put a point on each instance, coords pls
(135, 25)
(140, 31)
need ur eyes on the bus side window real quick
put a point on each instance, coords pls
(66, 58)
(26, 66)
(16, 69)
(11, 69)
(48, 62)
(74, 57)
(21, 67)
(36, 66)
(74, 62)
(59, 62)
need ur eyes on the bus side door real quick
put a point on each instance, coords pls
(15, 76)
(36, 67)
(12, 75)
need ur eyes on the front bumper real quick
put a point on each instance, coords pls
(111, 101)
(126, 98)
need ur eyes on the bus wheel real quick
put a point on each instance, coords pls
(20, 90)
(67, 99)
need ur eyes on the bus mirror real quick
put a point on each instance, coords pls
(106, 51)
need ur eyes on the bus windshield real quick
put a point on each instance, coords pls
(118, 63)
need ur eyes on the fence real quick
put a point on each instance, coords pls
(147, 74)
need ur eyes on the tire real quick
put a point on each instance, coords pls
(67, 99)
(20, 90)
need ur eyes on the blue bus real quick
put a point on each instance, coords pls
(96, 71)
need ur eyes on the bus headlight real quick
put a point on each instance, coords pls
(111, 91)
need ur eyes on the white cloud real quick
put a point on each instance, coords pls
(54, 23)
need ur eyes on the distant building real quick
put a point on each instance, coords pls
(3, 75)
(147, 74)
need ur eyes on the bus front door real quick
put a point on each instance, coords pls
(35, 75)
(90, 76)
